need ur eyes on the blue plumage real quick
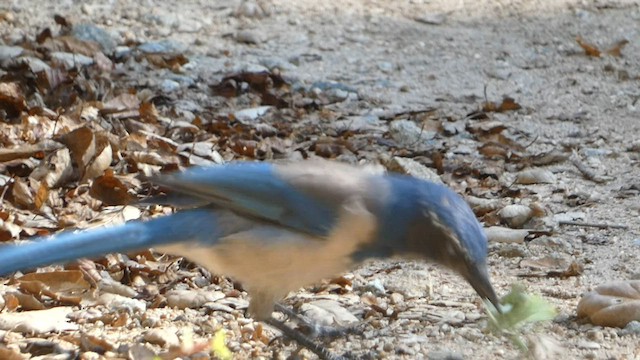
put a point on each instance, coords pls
(276, 227)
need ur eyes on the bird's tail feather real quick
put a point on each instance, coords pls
(68, 246)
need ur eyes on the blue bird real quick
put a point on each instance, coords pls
(278, 227)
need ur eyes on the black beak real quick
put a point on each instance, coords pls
(479, 280)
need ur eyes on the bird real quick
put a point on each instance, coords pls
(277, 227)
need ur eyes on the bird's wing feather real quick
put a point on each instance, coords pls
(302, 196)
(67, 246)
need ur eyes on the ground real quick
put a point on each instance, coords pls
(429, 62)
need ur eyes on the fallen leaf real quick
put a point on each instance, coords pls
(12, 101)
(28, 150)
(506, 235)
(516, 215)
(535, 176)
(65, 286)
(507, 104)
(616, 49)
(612, 304)
(589, 50)
(81, 142)
(38, 321)
(10, 354)
(55, 171)
(102, 159)
(110, 190)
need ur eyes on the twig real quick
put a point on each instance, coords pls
(586, 171)
(595, 225)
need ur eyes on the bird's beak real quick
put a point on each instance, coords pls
(479, 280)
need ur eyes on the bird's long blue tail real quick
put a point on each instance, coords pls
(68, 246)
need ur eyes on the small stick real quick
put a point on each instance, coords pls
(586, 171)
(595, 225)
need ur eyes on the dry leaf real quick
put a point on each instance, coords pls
(41, 195)
(515, 215)
(589, 50)
(192, 299)
(10, 354)
(29, 302)
(110, 190)
(55, 171)
(613, 304)
(592, 50)
(102, 159)
(506, 235)
(28, 150)
(616, 50)
(22, 194)
(11, 301)
(81, 142)
(73, 45)
(535, 176)
(507, 104)
(12, 100)
(66, 286)
(38, 321)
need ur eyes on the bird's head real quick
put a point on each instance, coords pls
(447, 232)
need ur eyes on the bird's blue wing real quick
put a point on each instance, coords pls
(263, 191)
(197, 225)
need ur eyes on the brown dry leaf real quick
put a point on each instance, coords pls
(55, 171)
(110, 190)
(486, 127)
(28, 150)
(172, 62)
(592, 50)
(327, 147)
(148, 112)
(11, 301)
(270, 86)
(547, 158)
(82, 144)
(102, 159)
(245, 147)
(616, 50)
(122, 106)
(42, 36)
(545, 262)
(29, 302)
(559, 266)
(50, 78)
(574, 269)
(95, 344)
(589, 50)
(342, 281)
(10, 354)
(613, 304)
(66, 286)
(72, 44)
(507, 104)
(41, 195)
(9, 230)
(38, 321)
(12, 101)
(22, 194)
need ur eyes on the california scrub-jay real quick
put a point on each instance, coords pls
(278, 227)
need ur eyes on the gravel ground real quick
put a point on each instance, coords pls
(408, 56)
